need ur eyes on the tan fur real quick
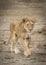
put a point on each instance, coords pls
(19, 29)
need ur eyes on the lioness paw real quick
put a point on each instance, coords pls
(27, 53)
(16, 50)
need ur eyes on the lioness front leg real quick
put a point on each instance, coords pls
(26, 48)
(13, 44)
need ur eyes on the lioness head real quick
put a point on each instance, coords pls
(28, 24)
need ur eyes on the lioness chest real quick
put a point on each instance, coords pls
(20, 31)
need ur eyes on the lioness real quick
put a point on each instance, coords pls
(19, 29)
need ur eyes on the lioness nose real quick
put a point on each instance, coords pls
(29, 29)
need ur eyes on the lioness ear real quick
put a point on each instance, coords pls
(33, 20)
(23, 20)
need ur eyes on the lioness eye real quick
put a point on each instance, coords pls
(27, 24)
(32, 24)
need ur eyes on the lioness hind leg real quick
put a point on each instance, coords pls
(13, 44)
(26, 48)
